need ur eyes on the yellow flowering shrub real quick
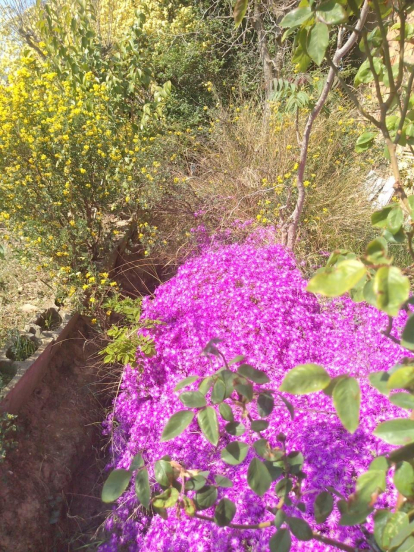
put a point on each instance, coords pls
(70, 167)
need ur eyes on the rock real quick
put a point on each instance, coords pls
(27, 307)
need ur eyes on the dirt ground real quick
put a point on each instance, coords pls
(50, 484)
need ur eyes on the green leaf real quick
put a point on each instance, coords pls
(399, 431)
(177, 424)
(404, 479)
(265, 404)
(369, 484)
(235, 428)
(219, 391)
(222, 481)
(263, 449)
(259, 425)
(207, 420)
(226, 412)
(244, 387)
(283, 487)
(347, 400)
(167, 499)
(364, 141)
(323, 506)
(280, 518)
(403, 400)
(407, 338)
(296, 17)
(403, 453)
(331, 13)
(206, 497)
(251, 373)
(239, 12)
(381, 518)
(234, 453)
(379, 218)
(258, 477)
(227, 377)
(304, 379)
(115, 485)
(365, 75)
(401, 378)
(281, 541)
(379, 381)
(396, 522)
(164, 473)
(391, 289)
(205, 385)
(339, 279)
(193, 399)
(380, 463)
(186, 381)
(197, 482)
(395, 219)
(137, 462)
(317, 43)
(142, 488)
(300, 529)
(189, 506)
(224, 512)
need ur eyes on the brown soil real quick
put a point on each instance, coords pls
(50, 484)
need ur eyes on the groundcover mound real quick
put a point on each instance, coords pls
(252, 296)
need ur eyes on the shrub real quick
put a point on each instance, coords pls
(253, 297)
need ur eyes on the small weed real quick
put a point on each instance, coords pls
(19, 347)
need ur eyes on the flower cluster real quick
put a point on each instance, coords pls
(253, 297)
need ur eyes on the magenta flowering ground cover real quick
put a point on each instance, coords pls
(253, 297)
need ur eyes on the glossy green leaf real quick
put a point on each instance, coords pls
(323, 506)
(289, 406)
(395, 219)
(226, 412)
(224, 512)
(304, 379)
(259, 425)
(281, 541)
(167, 499)
(317, 43)
(395, 523)
(251, 373)
(300, 529)
(258, 477)
(365, 75)
(244, 387)
(137, 462)
(219, 391)
(189, 506)
(391, 288)
(403, 453)
(185, 382)
(379, 380)
(407, 338)
(206, 497)
(339, 279)
(364, 141)
(296, 17)
(403, 400)
(142, 488)
(193, 399)
(177, 424)
(280, 518)
(401, 378)
(331, 12)
(205, 385)
(234, 453)
(222, 481)
(207, 420)
(379, 218)
(115, 485)
(402, 537)
(399, 431)
(283, 487)
(164, 473)
(347, 400)
(197, 482)
(265, 404)
(235, 428)
(404, 479)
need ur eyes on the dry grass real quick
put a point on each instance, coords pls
(246, 171)
(20, 284)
